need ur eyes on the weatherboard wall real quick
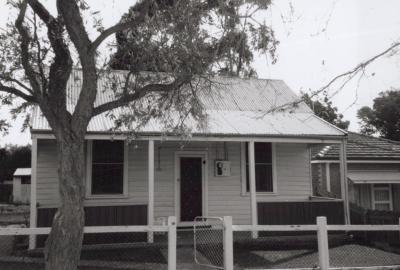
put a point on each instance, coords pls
(225, 195)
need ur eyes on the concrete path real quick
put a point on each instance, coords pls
(185, 259)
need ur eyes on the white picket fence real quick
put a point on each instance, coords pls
(169, 228)
(320, 228)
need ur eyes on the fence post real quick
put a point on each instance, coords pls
(323, 245)
(228, 243)
(171, 243)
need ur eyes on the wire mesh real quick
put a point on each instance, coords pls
(366, 249)
(208, 242)
(104, 251)
(275, 250)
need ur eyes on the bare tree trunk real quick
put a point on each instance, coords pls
(64, 243)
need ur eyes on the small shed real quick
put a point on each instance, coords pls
(22, 185)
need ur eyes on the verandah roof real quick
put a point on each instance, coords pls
(374, 177)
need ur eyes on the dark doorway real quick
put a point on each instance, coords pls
(191, 188)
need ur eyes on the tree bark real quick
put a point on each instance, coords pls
(64, 243)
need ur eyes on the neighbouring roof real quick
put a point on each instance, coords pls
(361, 147)
(374, 177)
(22, 172)
(236, 107)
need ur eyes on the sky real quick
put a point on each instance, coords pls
(318, 41)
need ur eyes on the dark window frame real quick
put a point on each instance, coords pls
(265, 160)
(113, 162)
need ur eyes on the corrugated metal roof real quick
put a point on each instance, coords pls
(22, 172)
(234, 106)
(361, 147)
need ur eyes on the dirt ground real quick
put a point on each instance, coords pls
(349, 255)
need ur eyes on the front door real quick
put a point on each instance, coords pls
(191, 194)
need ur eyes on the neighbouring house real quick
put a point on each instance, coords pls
(373, 172)
(245, 163)
(22, 185)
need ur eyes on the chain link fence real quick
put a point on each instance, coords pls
(208, 242)
(123, 248)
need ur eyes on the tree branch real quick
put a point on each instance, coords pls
(74, 23)
(351, 73)
(18, 93)
(114, 29)
(24, 46)
(151, 88)
(61, 67)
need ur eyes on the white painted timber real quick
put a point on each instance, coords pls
(150, 204)
(323, 245)
(344, 181)
(228, 243)
(252, 183)
(87, 230)
(172, 243)
(33, 209)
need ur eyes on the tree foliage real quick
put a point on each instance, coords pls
(326, 111)
(195, 37)
(384, 116)
(13, 157)
(179, 41)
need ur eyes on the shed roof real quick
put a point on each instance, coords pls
(234, 107)
(22, 172)
(361, 147)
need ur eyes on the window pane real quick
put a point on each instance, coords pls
(263, 167)
(381, 194)
(382, 206)
(108, 151)
(264, 178)
(263, 152)
(247, 178)
(107, 167)
(107, 179)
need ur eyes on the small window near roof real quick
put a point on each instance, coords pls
(263, 167)
(107, 175)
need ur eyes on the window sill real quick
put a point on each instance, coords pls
(247, 194)
(110, 196)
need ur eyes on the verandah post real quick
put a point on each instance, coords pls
(33, 206)
(150, 210)
(171, 243)
(344, 181)
(228, 243)
(253, 194)
(323, 245)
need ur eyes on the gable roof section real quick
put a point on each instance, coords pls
(235, 107)
(361, 147)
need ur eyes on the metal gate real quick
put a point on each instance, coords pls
(209, 242)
